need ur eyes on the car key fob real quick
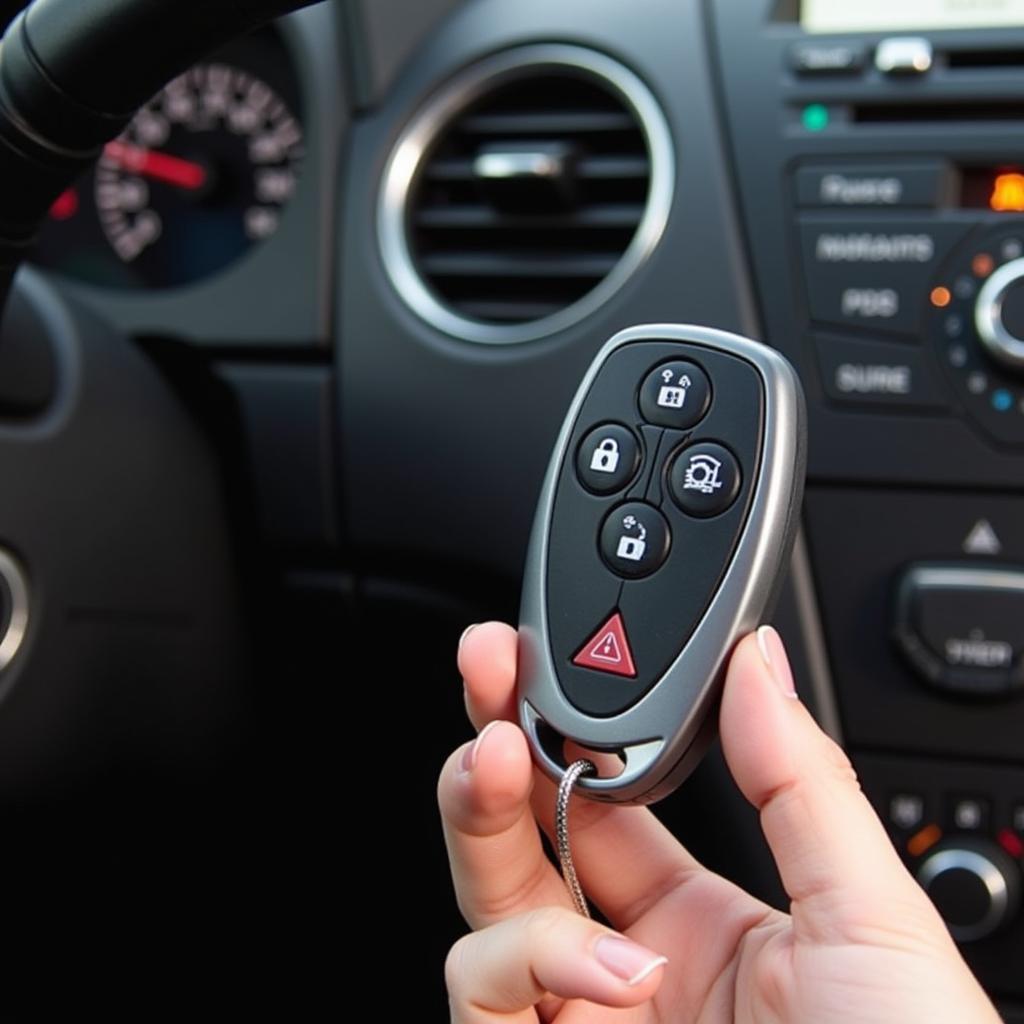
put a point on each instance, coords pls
(663, 529)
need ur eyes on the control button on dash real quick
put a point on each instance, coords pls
(970, 814)
(842, 186)
(873, 273)
(876, 373)
(906, 810)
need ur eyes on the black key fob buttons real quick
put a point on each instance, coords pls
(663, 528)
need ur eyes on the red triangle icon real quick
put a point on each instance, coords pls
(608, 650)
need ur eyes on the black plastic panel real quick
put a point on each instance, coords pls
(995, 960)
(861, 541)
(664, 607)
(286, 414)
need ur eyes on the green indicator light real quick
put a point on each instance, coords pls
(815, 117)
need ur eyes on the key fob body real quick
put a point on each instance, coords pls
(662, 534)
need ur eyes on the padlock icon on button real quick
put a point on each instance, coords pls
(606, 456)
(631, 548)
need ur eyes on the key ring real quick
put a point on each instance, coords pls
(569, 779)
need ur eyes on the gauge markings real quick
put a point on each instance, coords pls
(204, 169)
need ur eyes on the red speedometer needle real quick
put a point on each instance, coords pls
(154, 164)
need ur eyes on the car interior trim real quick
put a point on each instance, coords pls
(812, 635)
(16, 584)
(414, 145)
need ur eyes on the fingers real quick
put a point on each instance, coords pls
(501, 973)
(498, 864)
(626, 859)
(487, 661)
(835, 859)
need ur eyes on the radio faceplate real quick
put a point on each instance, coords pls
(867, 192)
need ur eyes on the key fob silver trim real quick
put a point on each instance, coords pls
(658, 747)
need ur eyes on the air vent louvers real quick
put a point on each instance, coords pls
(542, 186)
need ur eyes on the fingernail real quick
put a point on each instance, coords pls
(469, 629)
(628, 961)
(473, 752)
(773, 653)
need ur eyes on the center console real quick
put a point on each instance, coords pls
(880, 168)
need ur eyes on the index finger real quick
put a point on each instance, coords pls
(487, 660)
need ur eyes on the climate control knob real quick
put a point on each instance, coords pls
(974, 884)
(999, 315)
(976, 322)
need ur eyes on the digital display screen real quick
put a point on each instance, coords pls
(903, 15)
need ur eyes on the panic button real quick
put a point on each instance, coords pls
(608, 650)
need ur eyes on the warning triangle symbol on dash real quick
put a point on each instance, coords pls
(608, 649)
(982, 540)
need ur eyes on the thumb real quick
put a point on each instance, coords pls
(540, 958)
(835, 859)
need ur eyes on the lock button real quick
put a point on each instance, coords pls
(635, 540)
(607, 459)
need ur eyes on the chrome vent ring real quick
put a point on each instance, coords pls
(524, 193)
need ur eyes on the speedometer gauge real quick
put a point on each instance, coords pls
(201, 176)
(200, 173)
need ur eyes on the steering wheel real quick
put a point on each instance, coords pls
(72, 73)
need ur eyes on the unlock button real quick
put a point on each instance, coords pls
(607, 459)
(634, 540)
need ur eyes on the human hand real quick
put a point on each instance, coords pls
(862, 942)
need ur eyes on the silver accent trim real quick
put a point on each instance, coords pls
(527, 163)
(988, 316)
(736, 609)
(956, 577)
(904, 55)
(414, 144)
(986, 872)
(17, 586)
(813, 636)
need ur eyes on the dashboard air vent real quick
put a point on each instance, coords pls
(525, 193)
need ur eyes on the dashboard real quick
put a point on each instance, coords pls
(366, 254)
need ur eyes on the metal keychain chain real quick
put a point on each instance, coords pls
(569, 779)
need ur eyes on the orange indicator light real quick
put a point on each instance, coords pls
(1008, 193)
(921, 842)
(982, 264)
(941, 297)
